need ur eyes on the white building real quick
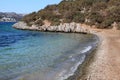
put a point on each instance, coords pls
(5, 19)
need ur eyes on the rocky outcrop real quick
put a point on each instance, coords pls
(65, 27)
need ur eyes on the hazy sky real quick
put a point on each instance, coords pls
(24, 6)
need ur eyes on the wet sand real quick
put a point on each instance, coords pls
(106, 61)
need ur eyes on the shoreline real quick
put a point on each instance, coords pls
(104, 62)
(81, 30)
(66, 28)
(81, 72)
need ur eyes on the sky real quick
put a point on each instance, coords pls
(24, 6)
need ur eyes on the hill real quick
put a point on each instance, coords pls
(10, 16)
(101, 13)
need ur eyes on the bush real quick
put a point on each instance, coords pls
(55, 23)
(107, 23)
(29, 17)
(79, 17)
(94, 18)
(114, 13)
(68, 15)
(99, 6)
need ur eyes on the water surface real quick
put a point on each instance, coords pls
(36, 55)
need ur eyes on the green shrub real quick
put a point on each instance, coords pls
(107, 23)
(30, 17)
(114, 13)
(94, 18)
(99, 6)
(79, 17)
(55, 23)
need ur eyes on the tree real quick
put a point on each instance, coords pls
(114, 13)
(99, 6)
(79, 17)
(95, 17)
(107, 23)
(30, 17)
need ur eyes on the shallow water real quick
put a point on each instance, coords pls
(36, 55)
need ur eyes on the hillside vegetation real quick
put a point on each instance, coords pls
(101, 13)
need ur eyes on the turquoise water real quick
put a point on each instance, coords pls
(36, 55)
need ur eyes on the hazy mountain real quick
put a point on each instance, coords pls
(14, 15)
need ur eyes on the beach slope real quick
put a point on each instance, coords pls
(106, 64)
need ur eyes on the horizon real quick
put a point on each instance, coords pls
(21, 7)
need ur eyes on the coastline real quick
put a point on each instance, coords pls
(82, 70)
(65, 27)
(103, 63)
(106, 60)
(106, 65)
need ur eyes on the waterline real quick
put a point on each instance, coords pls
(41, 55)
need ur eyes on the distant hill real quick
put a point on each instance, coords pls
(101, 13)
(10, 16)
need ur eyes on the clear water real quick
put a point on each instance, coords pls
(33, 55)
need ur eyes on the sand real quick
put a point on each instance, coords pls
(106, 64)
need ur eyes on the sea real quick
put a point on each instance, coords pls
(35, 55)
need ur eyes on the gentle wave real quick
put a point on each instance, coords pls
(24, 52)
(86, 49)
(63, 74)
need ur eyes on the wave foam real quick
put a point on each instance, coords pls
(86, 49)
(65, 74)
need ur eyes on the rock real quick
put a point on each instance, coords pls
(20, 25)
(65, 27)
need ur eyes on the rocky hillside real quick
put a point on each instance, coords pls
(11, 16)
(101, 13)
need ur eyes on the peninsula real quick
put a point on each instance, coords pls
(99, 17)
